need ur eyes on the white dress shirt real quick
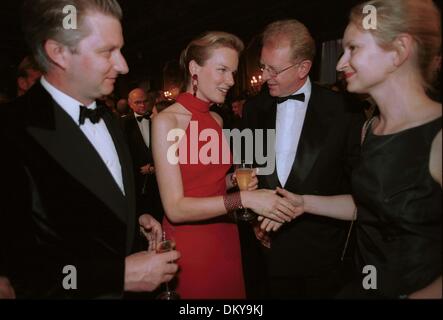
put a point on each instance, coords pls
(97, 134)
(289, 123)
(144, 128)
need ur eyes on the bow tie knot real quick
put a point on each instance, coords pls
(145, 116)
(94, 115)
(299, 97)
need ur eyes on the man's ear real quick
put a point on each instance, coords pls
(57, 53)
(403, 46)
(304, 68)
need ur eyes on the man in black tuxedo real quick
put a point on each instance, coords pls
(137, 128)
(68, 215)
(316, 145)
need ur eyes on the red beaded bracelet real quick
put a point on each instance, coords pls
(232, 201)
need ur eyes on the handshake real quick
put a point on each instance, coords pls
(272, 215)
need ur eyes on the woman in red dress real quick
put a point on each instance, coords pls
(192, 175)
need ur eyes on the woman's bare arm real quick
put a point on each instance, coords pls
(179, 208)
(338, 207)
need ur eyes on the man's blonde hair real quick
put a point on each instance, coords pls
(43, 20)
(293, 31)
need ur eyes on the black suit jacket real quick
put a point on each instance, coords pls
(328, 149)
(149, 200)
(62, 205)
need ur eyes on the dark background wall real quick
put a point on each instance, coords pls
(156, 31)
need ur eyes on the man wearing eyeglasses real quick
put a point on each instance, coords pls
(317, 143)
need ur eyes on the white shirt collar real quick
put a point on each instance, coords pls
(306, 88)
(140, 115)
(67, 103)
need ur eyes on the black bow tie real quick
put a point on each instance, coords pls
(94, 115)
(145, 116)
(299, 97)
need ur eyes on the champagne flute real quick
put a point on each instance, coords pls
(243, 174)
(166, 245)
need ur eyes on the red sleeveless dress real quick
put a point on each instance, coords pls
(210, 263)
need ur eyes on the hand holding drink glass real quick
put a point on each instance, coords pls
(262, 203)
(145, 271)
(166, 245)
(246, 180)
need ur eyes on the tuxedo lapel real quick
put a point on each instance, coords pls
(127, 173)
(143, 151)
(137, 134)
(150, 135)
(313, 135)
(66, 144)
(270, 116)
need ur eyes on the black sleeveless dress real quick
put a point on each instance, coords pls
(399, 217)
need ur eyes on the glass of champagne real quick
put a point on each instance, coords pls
(166, 245)
(243, 174)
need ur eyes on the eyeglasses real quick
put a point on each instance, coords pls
(274, 73)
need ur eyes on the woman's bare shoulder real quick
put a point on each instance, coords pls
(164, 118)
(174, 116)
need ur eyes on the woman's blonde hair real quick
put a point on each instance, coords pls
(200, 50)
(419, 18)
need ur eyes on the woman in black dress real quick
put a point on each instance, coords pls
(397, 193)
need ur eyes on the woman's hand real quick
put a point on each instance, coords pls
(295, 199)
(253, 185)
(231, 180)
(268, 204)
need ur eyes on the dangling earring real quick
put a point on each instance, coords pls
(194, 84)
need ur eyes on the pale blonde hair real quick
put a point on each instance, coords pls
(419, 18)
